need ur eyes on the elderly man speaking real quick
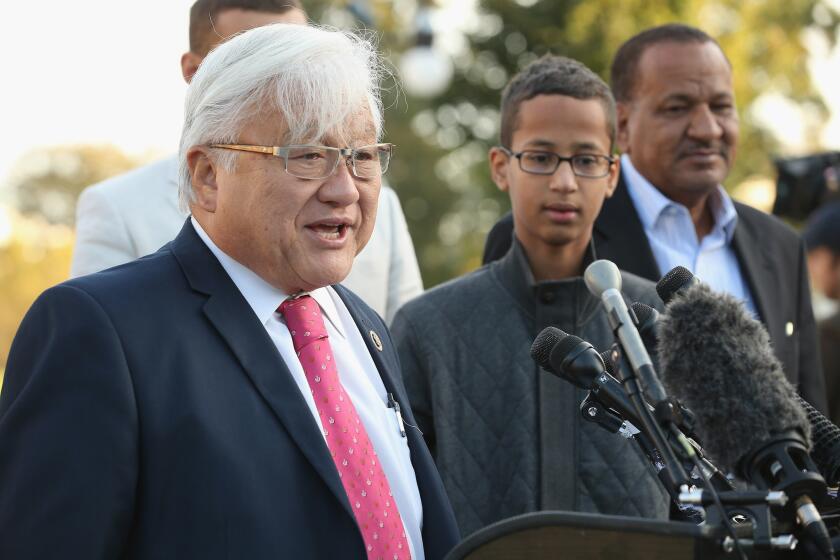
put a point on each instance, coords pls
(225, 397)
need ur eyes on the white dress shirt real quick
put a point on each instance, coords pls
(673, 237)
(136, 213)
(358, 375)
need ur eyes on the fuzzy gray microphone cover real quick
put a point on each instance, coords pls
(717, 360)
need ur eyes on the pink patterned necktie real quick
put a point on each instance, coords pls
(358, 466)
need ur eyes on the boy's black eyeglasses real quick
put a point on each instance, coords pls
(539, 162)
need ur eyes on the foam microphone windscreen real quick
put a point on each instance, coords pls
(717, 360)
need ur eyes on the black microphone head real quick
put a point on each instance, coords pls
(543, 345)
(646, 314)
(826, 443)
(676, 279)
(717, 360)
(567, 356)
(648, 317)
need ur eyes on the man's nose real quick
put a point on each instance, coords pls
(340, 188)
(564, 178)
(704, 124)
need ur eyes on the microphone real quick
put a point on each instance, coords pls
(677, 279)
(603, 279)
(825, 449)
(646, 317)
(717, 360)
(578, 362)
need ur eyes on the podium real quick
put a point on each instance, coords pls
(582, 536)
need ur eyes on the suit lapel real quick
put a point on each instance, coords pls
(756, 266)
(233, 318)
(388, 368)
(620, 237)
(370, 333)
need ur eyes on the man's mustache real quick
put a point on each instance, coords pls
(704, 148)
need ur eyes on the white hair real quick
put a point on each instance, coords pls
(315, 79)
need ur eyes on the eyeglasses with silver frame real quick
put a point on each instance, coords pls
(541, 162)
(319, 162)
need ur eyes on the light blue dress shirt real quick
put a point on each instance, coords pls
(673, 238)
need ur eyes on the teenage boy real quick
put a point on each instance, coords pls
(508, 438)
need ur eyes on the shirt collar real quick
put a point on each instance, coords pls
(723, 212)
(264, 298)
(650, 202)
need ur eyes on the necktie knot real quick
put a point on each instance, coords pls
(304, 320)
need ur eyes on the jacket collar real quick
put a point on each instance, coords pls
(514, 273)
(756, 264)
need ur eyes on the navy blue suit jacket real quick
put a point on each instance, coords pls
(147, 414)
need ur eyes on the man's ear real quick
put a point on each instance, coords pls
(499, 162)
(203, 178)
(612, 178)
(622, 114)
(189, 65)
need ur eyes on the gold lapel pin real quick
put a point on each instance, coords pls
(376, 340)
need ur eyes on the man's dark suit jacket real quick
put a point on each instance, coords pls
(146, 413)
(772, 259)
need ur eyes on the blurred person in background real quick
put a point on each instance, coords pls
(822, 239)
(132, 215)
(678, 133)
(226, 397)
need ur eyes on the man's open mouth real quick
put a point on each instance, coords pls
(329, 231)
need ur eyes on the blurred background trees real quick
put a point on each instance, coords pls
(440, 173)
(46, 182)
(36, 235)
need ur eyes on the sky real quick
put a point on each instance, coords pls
(107, 71)
(92, 71)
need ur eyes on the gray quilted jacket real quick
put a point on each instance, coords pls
(507, 437)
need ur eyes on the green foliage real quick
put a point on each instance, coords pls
(440, 172)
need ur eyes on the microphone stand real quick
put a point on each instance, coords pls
(675, 477)
(749, 510)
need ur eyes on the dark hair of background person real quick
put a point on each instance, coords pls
(625, 65)
(202, 13)
(553, 75)
(823, 228)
